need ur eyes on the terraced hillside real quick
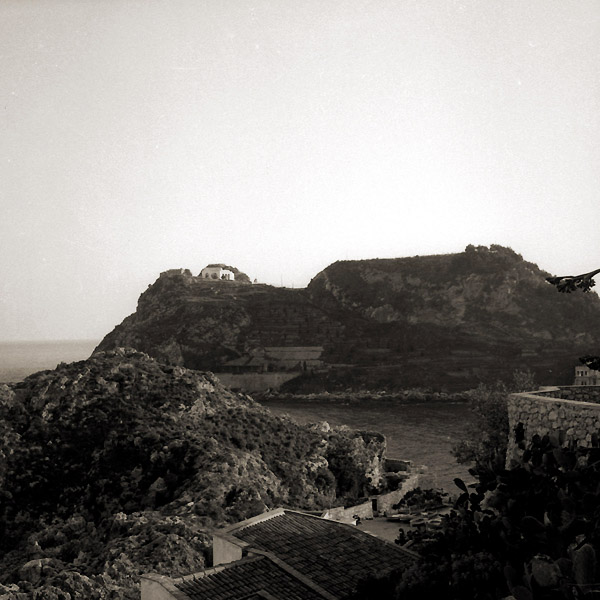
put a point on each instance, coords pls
(445, 322)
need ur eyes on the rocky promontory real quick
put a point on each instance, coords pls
(120, 464)
(444, 323)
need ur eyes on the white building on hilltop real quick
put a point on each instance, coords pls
(217, 272)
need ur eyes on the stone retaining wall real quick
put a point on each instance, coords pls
(385, 502)
(550, 411)
(381, 504)
(256, 382)
(579, 393)
(339, 513)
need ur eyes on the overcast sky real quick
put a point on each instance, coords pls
(281, 136)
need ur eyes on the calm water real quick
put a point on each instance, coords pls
(19, 359)
(423, 433)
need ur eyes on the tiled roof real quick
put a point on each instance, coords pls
(332, 555)
(254, 578)
(291, 556)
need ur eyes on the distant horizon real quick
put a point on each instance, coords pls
(280, 137)
(98, 339)
(52, 341)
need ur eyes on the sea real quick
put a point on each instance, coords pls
(20, 359)
(422, 432)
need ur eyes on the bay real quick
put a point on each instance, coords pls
(423, 432)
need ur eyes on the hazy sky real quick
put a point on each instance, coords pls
(281, 136)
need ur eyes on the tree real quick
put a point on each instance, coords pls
(487, 436)
(530, 532)
(570, 283)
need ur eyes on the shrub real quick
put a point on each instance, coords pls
(486, 437)
(532, 531)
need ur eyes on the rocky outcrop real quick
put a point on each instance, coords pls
(481, 288)
(120, 464)
(441, 322)
(202, 324)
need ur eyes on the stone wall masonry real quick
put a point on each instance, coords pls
(575, 392)
(255, 382)
(549, 411)
(382, 503)
(379, 504)
(385, 502)
(339, 513)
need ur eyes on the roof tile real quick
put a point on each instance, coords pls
(332, 555)
(243, 580)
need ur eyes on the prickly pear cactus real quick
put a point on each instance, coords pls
(584, 565)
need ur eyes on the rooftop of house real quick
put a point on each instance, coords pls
(252, 577)
(291, 555)
(333, 555)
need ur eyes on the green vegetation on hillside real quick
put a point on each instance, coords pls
(530, 532)
(486, 440)
(119, 465)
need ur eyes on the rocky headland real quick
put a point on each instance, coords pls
(120, 464)
(443, 323)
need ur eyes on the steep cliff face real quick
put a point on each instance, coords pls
(446, 322)
(118, 465)
(478, 289)
(201, 324)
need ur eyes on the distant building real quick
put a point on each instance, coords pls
(283, 555)
(586, 376)
(217, 272)
(246, 364)
(295, 358)
(277, 358)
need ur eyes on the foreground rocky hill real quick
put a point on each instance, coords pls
(120, 465)
(445, 322)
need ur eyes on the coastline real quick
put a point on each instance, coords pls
(21, 358)
(357, 397)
